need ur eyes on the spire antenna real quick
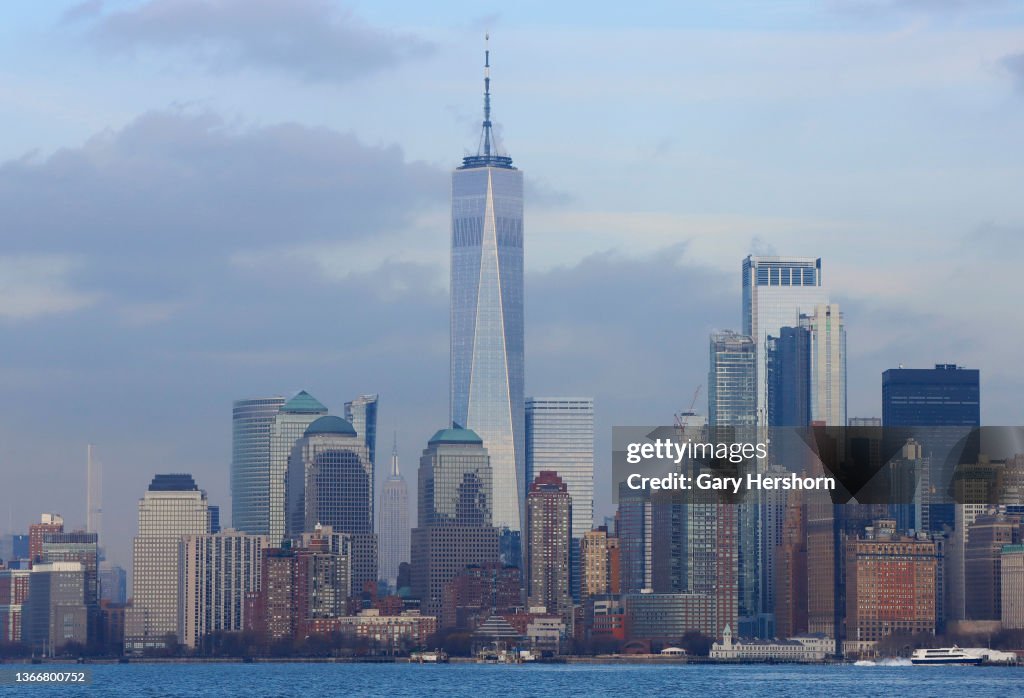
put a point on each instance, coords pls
(394, 457)
(487, 95)
(488, 151)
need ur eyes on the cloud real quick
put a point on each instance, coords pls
(879, 7)
(1014, 65)
(35, 285)
(991, 239)
(85, 10)
(313, 40)
(162, 204)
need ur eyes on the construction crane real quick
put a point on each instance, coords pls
(682, 418)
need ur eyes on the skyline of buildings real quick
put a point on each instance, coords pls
(512, 478)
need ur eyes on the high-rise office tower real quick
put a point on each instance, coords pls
(789, 377)
(827, 335)
(251, 423)
(635, 533)
(986, 538)
(560, 439)
(393, 527)
(731, 383)
(548, 536)
(943, 405)
(217, 571)
(1011, 587)
(775, 291)
(361, 413)
(732, 415)
(289, 425)
(486, 390)
(54, 612)
(172, 507)
(84, 549)
(454, 514)
(947, 395)
(330, 483)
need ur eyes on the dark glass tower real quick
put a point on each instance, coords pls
(486, 391)
(946, 395)
(943, 405)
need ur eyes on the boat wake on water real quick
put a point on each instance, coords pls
(883, 662)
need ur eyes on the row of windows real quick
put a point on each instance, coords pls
(468, 232)
(771, 275)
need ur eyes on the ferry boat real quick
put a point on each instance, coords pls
(434, 657)
(944, 655)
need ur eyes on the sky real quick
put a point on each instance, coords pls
(206, 200)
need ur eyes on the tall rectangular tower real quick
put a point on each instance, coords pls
(172, 507)
(827, 364)
(943, 405)
(361, 413)
(251, 423)
(290, 423)
(775, 291)
(486, 390)
(560, 439)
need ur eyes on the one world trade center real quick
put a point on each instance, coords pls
(487, 312)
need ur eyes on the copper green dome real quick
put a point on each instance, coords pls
(330, 425)
(456, 435)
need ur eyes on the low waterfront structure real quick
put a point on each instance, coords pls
(803, 648)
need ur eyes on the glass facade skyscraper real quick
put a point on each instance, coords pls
(947, 395)
(361, 413)
(454, 514)
(943, 404)
(560, 439)
(731, 404)
(776, 290)
(731, 382)
(329, 480)
(330, 483)
(486, 389)
(289, 425)
(827, 364)
(789, 378)
(251, 422)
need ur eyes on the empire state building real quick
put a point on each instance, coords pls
(486, 392)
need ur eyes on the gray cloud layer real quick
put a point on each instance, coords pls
(1014, 65)
(311, 39)
(170, 196)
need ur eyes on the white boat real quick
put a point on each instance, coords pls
(944, 655)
